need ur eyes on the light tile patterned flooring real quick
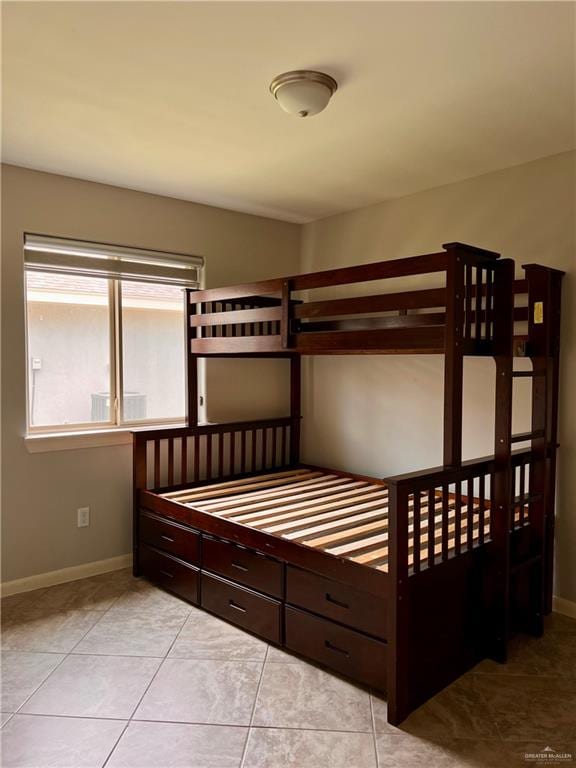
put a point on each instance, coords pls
(110, 671)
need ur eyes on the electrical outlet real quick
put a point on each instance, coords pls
(83, 514)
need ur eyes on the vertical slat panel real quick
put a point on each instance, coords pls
(470, 515)
(264, 448)
(445, 511)
(196, 458)
(481, 506)
(522, 491)
(416, 532)
(184, 460)
(274, 438)
(243, 451)
(468, 307)
(478, 314)
(156, 463)
(488, 312)
(283, 432)
(232, 454)
(431, 525)
(457, 516)
(254, 434)
(170, 461)
(208, 457)
(221, 454)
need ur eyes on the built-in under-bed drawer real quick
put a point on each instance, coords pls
(169, 572)
(257, 613)
(336, 601)
(170, 537)
(243, 565)
(343, 650)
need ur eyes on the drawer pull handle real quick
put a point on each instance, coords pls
(239, 566)
(335, 648)
(167, 538)
(236, 607)
(333, 600)
(167, 574)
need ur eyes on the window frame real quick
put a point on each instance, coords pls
(116, 424)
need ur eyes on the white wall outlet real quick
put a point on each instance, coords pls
(83, 514)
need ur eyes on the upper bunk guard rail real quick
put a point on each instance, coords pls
(262, 318)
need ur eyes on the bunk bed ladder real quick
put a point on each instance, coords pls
(544, 298)
(521, 587)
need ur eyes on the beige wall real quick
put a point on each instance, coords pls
(383, 415)
(41, 492)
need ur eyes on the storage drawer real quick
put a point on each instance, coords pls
(249, 610)
(170, 537)
(336, 601)
(170, 573)
(343, 650)
(242, 565)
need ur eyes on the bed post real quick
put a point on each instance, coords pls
(453, 356)
(501, 511)
(295, 408)
(398, 634)
(191, 363)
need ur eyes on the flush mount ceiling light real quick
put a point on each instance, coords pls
(303, 92)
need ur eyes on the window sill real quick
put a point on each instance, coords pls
(71, 441)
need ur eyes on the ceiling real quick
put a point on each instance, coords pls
(172, 97)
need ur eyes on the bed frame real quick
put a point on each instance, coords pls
(401, 584)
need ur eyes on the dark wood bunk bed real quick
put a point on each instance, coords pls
(401, 583)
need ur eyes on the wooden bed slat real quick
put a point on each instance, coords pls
(301, 518)
(226, 491)
(258, 499)
(175, 495)
(274, 510)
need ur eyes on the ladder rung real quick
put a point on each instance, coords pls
(525, 563)
(527, 374)
(523, 436)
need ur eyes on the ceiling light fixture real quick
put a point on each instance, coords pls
(303, 92)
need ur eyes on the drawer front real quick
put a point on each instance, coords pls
(241, 606)
(336, 601)
(169, 573)
(242, 565)
(169, 537)
(343, 650)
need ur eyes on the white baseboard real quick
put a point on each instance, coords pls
(567, 607)
(65, 574)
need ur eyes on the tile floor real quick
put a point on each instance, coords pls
(110, 671)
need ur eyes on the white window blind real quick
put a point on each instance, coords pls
(75, 257)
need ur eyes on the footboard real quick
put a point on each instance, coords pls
(446, 572)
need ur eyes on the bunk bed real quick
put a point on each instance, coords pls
(400, 583)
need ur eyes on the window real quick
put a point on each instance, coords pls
(106, 335)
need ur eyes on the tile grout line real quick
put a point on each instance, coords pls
(224, 725)
(131, 718)
(65, 656)
(244, 751)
